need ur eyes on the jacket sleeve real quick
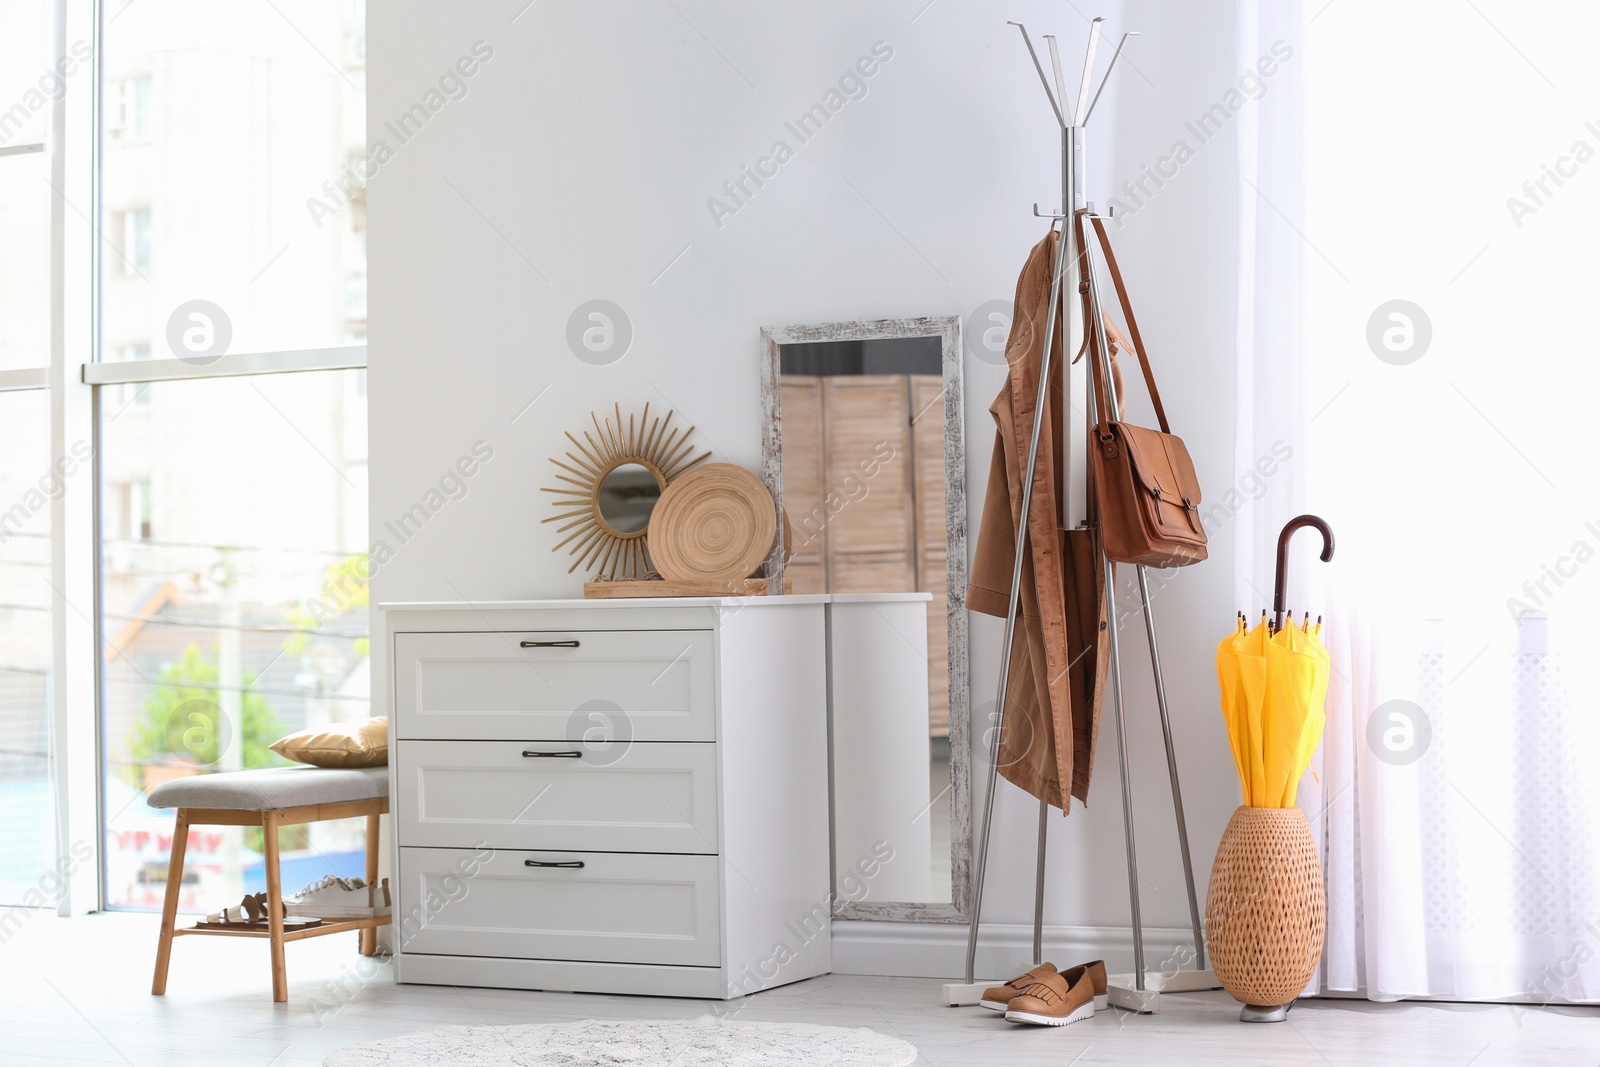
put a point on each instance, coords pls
(989, 589)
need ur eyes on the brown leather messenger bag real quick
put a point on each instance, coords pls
(1148, 494)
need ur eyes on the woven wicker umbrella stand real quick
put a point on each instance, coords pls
(1266, 910)
(1267, 907)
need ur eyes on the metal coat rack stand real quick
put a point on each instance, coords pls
(1139, 991)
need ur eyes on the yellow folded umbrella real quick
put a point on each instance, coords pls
(1274, 679)
(1273, 686)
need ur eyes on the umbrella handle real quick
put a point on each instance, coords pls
(1296, 523)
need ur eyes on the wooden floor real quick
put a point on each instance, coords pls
(76, 991)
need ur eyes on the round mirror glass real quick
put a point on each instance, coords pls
(626, 496)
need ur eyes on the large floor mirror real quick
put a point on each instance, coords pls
(864, 447)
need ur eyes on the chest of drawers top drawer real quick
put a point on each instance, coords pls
(645, 685)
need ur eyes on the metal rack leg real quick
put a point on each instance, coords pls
(1172, 772)
(979, 869)
(1127, 791)
(1041, 401)
(1038, 885)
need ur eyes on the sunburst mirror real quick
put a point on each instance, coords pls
(612, 482)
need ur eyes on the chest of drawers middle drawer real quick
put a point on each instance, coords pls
(647, 797)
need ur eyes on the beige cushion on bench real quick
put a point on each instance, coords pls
(271, 789)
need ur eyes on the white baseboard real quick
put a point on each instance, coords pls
(939, 950)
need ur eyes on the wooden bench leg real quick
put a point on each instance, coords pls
(369, 937)
(270, 821)
(169, 907)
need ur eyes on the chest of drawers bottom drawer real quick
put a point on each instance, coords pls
(594, 906)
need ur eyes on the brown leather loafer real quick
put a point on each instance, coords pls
(1096, 972)
(998, 998)
(1054, 1001)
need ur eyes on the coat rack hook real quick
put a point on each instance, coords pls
(1055, 66)
(1040, 68)
(1114, 57)
(1082, 114)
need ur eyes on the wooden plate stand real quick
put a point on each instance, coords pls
(702, 587)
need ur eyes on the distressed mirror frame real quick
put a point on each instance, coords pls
(948, 330)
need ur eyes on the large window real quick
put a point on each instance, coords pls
(232, 503)
(26, 487)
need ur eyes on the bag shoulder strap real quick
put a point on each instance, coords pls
(1097, 371)
(1127, 310)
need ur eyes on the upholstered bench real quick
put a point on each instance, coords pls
(284, 796)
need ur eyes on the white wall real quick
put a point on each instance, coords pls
(578, 166)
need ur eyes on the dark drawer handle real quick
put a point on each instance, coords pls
(570, 754)
(549, 644)
(553, 863)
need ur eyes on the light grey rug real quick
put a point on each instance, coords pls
(706, 1042)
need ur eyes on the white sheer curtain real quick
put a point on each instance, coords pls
(1447, 156)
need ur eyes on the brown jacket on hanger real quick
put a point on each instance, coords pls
(1060, 647)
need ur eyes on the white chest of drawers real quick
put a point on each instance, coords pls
(610, 796)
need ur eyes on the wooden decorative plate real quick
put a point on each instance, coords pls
(715, 522)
